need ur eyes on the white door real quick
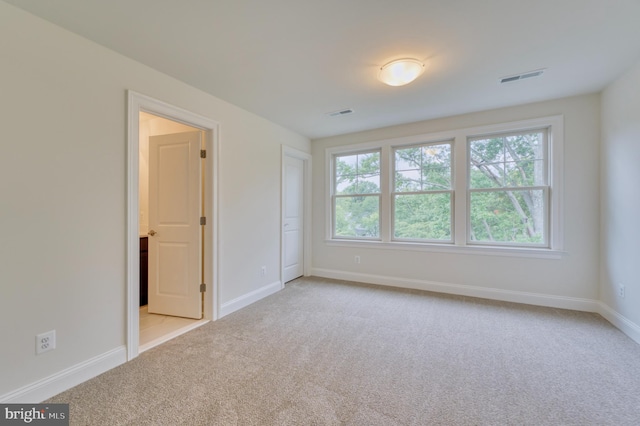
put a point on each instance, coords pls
(293, 235)
(174, 225)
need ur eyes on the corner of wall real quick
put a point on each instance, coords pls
(625, 325)
(619, 202)
(249, 298)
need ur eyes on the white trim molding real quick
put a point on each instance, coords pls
(626, 326)
(451, 248)
(249, 298)
(67, 378)
(538, 299)
(136, 103)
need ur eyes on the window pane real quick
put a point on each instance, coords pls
(508, 216)
(486, 175)
(436, 178)
(437, 155)
(357, 173)
(346, 174)
(357, 216)
(408, 181)
(408, 158)
(369, 163)
(524, 147)
(346, 185)
(436, 167)
(423, 168)
(486, 150)
(346, 164)
(423, 216)
(525, 173)
(368, 184)
(507, 161)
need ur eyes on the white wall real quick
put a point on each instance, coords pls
(63, 184)
(571, 281)
(620, 203)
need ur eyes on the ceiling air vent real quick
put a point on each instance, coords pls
(522, 76)
(341, 112)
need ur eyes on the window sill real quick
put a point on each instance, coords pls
(540, 253)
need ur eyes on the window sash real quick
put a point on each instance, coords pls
(420, 169)
(492, 243)
(358, 176)
(545, 154)
(334, 232)
(395, 170)
(395, 195)
(337, 196)
(505, 188)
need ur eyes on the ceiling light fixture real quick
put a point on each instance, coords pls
(400, 72)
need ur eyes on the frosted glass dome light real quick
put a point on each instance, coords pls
(400, 72)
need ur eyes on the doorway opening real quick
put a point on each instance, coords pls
(172, 222)
(170, 205)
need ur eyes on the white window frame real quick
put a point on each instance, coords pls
(335, 196)
(460, 137)
(545, 188)
(450, 191)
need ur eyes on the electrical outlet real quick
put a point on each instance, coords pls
(45, 342)
(263, 271)
(621, 290)
(357, 259)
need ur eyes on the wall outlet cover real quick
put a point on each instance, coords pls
(45, 342)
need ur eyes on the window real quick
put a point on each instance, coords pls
(508, 189)
(357, 195)
(488, 189)
(423, 195)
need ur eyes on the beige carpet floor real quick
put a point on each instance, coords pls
(323, 352)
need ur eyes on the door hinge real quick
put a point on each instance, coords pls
(203, 288)
(203, 153)
(203, 220)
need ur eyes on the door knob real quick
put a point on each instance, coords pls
(152, 233)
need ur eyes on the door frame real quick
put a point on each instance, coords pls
(137, 103)
(288, 151)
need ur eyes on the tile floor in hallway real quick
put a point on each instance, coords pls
(156, 329)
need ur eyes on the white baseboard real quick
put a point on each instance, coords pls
(66, 379)
(249, 298)
(79, 373)
(625, 325)
(537, 299)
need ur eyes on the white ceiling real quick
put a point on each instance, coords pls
(293, 61)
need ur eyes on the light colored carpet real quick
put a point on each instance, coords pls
(323, 352)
